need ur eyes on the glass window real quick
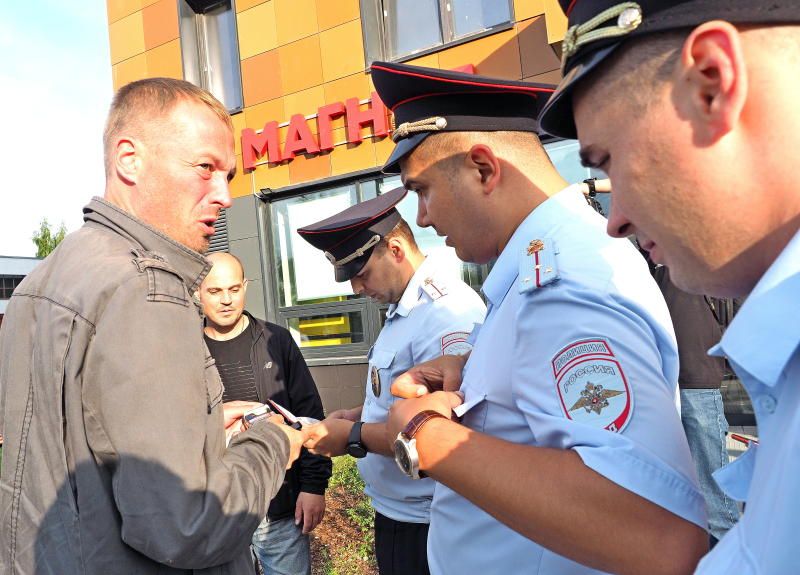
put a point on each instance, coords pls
(411, 26)
(304, 276)
(318, 330)
(470, 16)
(8, 284)
(210, 49)
(395, 29)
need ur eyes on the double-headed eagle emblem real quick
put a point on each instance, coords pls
(594, 398)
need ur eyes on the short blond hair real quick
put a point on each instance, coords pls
(151, 99)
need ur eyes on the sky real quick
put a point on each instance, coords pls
(55, 89)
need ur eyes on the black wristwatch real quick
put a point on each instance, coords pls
(355, 446)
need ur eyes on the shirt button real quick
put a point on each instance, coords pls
(767, 403)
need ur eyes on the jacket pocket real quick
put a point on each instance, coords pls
(214, 387)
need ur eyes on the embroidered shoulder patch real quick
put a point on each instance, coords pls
(456, 343)
(591, 385)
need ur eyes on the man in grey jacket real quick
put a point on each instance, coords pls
(110, 403)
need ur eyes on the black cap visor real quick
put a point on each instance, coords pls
(557, 118)
(401, 150)
(348, 271)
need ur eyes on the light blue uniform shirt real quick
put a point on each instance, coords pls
(435, 315)
(762, 346)
(562, 365)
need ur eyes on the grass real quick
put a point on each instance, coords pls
(354, 554)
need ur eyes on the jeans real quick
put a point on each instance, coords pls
(703, 419)
(281, 547)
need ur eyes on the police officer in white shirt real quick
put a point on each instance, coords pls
(570, 457)
(431, 313)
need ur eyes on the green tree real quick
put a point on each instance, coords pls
(46, 238)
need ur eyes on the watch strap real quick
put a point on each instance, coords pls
(355, 446)
(420, 419)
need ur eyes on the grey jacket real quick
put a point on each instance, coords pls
(115, 458)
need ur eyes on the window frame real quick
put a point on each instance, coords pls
(376, 38)
(197, 49)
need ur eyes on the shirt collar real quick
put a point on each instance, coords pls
(190, 265)
(411, 295)
(537, 224)
(766, 331)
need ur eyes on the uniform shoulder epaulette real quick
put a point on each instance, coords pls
(538, 265)
(435, 288)
(164, 282)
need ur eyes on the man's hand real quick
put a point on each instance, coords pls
(402, 412)
(233, 411)
(440, 374)
(328, 437)
(309, 511)
(296, 438)
(353, 414)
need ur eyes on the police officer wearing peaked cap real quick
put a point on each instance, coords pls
(598, 28)
(430, 313)
(452, 102)
(349, 237)
(570, 456)
(720, 79)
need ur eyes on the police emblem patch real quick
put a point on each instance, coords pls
(456, 343)
(375, 377)
(591, 385)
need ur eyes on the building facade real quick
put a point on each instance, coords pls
(13, 270)
(311, 135)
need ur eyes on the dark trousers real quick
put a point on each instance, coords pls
(401, 548)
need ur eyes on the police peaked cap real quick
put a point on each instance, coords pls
(348, 238)
(426, 100)
(596, 28)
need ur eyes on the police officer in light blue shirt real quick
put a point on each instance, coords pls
(431, 313)
(705, 174)
(569, 457)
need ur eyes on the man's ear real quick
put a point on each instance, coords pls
(713, 79)
(244, 285)
(127, 159)
(481, 158)
(396, 249)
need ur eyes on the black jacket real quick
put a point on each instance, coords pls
(282, 375)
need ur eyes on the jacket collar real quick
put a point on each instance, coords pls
(189, 264)
(765, 334)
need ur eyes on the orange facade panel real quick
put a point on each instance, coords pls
(295, 19)
(126, 37)
(301, 65)
(257, 31)
(261, 78)
(330, 14)
(160, 21)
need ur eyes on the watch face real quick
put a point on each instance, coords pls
(401, 456)
(356, 450)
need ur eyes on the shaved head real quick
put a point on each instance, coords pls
(225, 260)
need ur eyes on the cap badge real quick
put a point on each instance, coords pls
(628, 17)
(434, 124)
